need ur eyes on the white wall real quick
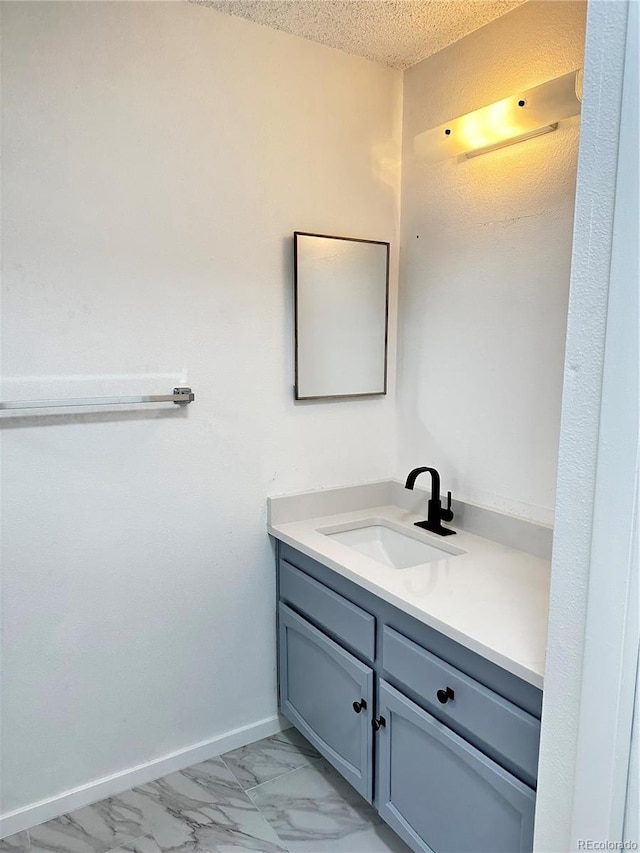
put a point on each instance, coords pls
(156, 159)
(485, 258)
(593, 634)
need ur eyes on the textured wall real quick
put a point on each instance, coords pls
(156, 159)
(485, 259)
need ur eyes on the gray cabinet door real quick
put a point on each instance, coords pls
(439, 793)
(319, 682)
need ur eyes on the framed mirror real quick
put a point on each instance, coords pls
(341, 316)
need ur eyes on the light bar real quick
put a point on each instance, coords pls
(511, 120)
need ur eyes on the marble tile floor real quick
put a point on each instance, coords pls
(277, 795)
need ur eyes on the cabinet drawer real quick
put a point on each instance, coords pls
(439, 793)
(498, 727)
(347, 622)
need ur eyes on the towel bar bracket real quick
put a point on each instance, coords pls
(188, 395)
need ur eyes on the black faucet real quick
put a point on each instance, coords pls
(435, 514)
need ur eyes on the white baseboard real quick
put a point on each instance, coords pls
(44, 810)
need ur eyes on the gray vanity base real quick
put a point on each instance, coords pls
(457, 776)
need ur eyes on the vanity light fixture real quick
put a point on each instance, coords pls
(513, 119)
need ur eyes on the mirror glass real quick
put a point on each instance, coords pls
(342, 295)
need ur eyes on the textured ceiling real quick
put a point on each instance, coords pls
(398, 33)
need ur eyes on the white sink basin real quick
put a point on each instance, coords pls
(390, 546)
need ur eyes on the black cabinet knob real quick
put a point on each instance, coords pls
(380, 723)
(445, 695)
(360, 706)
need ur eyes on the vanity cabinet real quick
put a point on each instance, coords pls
(441, 741)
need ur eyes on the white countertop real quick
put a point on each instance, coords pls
(492, 599)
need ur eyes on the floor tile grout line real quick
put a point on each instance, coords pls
(282, 841)
(230, 769)
(286, 773)
(131, 840)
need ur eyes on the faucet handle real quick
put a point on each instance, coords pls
(447, 514)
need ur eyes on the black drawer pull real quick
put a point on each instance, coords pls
(360, 706)
(380, 723)
(445, 695)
